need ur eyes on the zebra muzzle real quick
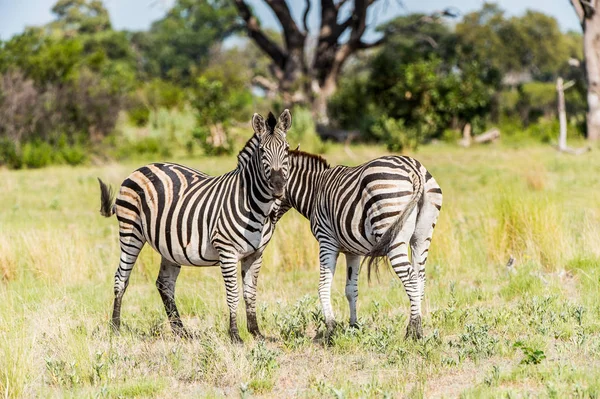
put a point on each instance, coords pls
(278, 183)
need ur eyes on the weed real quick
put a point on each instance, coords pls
(532, 356)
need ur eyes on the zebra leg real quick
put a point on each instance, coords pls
(421, 240)
(167, 277)
(229, 272)
(327, 258)
(403, 268)
(353, 268)
(250, 268)
(131, 245)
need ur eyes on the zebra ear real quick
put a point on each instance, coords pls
(258, 124)
(285, 120)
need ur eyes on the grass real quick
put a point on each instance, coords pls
(531, 330)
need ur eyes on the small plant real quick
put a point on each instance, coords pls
(476, 342)
(532, 356)
(264, 363)
(292, 323)
(493, 377)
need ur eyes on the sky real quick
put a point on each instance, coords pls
(15, 15)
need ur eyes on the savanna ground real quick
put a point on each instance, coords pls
(533, 330)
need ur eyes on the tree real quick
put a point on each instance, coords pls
(298, 79)
(589, 17)
(80, 16)
(419, 84)
(177, 47)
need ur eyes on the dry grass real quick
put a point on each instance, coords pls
(58, 255)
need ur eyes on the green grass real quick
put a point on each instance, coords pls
(533, 330)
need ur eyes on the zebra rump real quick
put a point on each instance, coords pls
(382, 247)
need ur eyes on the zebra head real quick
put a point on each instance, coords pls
(273, 149)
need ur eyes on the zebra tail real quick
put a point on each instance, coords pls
(107, 196)
(382, 247)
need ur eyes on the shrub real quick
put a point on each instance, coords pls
(73, 155)
(9, 155)
(395, 135)
(303, 132)
(139, 115)
(37, 154)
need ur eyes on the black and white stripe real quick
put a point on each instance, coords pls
(376, 209)
(194, 219)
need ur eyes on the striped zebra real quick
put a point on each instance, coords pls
(375, 210)
(194, 219)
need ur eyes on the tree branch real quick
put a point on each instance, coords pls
(578, 10)
(305, 16)
(293, 37)
(267, 45)
(340, 4)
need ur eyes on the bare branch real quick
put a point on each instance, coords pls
(305, 16)
(340, 4)
(428, 39)
(293, 37)
(264, 83)
(578, 10)
(267, 45)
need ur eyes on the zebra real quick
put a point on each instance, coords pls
(191, 218)
(374, 210)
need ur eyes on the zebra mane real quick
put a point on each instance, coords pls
(271, 123)
(297, 157)
(246, 153)
(252, 144)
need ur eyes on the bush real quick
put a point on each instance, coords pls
(73, 155)
(144, 146)
(303, 132)
(37, 154)
(9, 155)
(395, 135)
(139, 115)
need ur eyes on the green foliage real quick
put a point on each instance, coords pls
(219, 95)
(178, 46)
(532, 356)
(395, 135)
(36, 154)
(147, 146)
(139, 115)
(303, 132)
(293, 322)
(436, 79)
(81, 16)
(264, 365)
(9, 154)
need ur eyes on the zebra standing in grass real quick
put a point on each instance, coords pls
(376, 209)
(194, 219)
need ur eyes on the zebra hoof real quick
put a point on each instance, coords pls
(235, 338)
(257, 335)
(414, 330)
(182, 333)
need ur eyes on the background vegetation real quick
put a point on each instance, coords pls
(74, 90)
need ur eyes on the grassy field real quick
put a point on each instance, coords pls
(533, 330)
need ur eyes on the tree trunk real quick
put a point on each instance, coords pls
(319, 100)
(591, 47)
(562, 115)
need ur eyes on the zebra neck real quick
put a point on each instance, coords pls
(302, 188)
(260, 197)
